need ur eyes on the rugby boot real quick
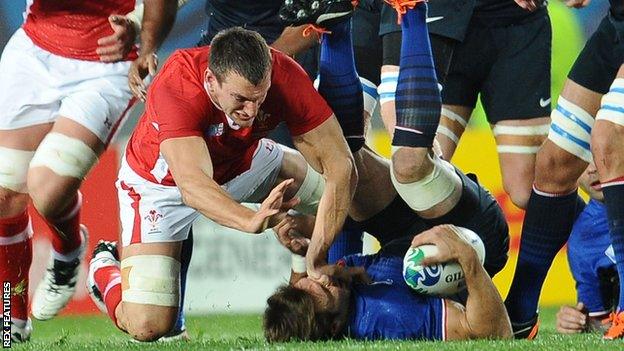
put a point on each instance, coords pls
(58, 284)
(104, 255)
(320, 13)
(616, 330)
(20, 330)
(527, 330)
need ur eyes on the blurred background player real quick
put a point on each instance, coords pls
(573, 138)
(61, 109)
(592, 262)
(368, 299)
(501, 38)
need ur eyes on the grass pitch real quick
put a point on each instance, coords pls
(243, 332)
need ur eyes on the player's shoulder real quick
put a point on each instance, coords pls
(193, 60)
(284, 68)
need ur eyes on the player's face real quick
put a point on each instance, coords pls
(330, 299)
(238, 98)
(590, 183)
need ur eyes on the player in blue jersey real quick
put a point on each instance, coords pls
(368, 299)
(592, 263)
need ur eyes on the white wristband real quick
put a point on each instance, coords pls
(298, 263)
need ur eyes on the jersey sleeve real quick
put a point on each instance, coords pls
(304, 108)
(177, 101)
(357, 260)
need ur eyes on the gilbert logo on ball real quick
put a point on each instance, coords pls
(443, 279)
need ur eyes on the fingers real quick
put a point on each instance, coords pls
(570, 320)
(135, 82)
(152, 64)
(290, 204)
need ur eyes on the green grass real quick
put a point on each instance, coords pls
(243, 332)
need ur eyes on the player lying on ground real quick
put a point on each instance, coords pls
(368, 299)
(590, 255)
(200, 149)
(61, 108)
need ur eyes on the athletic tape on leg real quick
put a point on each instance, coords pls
(432, 189)
(387, 87)
(151, 280)
(529, 131)
(14, 168)
(612, 104)
(65, 156)
(570, 129)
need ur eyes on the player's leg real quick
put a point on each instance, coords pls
(453, 122)
(559, 162)
(28, 105)
(89, 114)
(607, 147)
(418, 105)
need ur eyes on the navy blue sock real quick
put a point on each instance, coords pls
(339, 83)
(185, 260)
(546, 228)
(614, 200)
(348, 242)
(418, 101)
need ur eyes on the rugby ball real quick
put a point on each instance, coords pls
(442, 279)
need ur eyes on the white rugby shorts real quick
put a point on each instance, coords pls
(37, 87)
(151, 212)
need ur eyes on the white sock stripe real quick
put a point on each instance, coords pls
(618, 83)
(541, 129)
(516, 149)
(19, 237)
(448, 133)
(543, 193)
(408, 129)
(111, 284)
(608, 184)
(74, 210)
(454, 116)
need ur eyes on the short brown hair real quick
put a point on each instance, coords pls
(241, 51)
(291, 316)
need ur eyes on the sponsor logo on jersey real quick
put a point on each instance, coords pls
(544, 102)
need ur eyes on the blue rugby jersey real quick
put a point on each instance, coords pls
(588, 252)
(388, 308)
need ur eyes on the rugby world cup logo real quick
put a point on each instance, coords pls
(417, 276)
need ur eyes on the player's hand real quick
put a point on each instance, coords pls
(145, 64)
(529, 5)
(577, 4)
(286, 233)
(451, 247)
(342, 276)
(116, 46)
(572, 320)
(272, 205)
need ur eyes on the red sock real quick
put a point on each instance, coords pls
(15, 260)
(108, 281)
(66, 228)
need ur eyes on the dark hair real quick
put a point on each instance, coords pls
(290, 316)
(241, 51)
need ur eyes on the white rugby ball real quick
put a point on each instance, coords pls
(442, 279)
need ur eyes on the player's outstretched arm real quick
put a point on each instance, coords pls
(327, 152)
(484, 315)
(191, 167)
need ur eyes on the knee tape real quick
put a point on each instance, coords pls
(527, 131)
(151, 280)
(570, 129)
(14, 168)
(432, 189)
(65, 156)
(310, 192)
(444, 129)
(387, 87)
(612, 104)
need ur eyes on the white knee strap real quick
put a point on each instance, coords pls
(432, 189)
(570, 129)
(14, 168)
(529, 131)
(612, 104)
(65, 156)
(310, 192)
(387, 87)
(152, 280)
